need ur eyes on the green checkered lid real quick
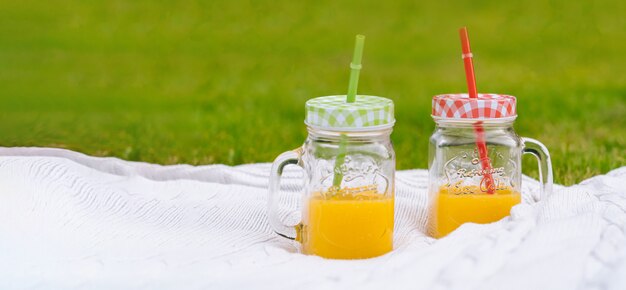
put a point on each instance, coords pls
(333, 112)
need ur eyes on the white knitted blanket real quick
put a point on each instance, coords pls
(70, 221)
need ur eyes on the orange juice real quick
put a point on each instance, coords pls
(348, 226)
(472, 205)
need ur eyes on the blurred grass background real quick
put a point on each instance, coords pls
(225, 81)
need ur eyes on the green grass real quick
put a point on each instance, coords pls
(211, 82)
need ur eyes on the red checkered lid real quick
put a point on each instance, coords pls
(486, 106)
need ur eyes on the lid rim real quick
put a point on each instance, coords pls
(488, 106)
(334, 113)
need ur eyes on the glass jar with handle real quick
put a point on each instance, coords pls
(349, 164)
(461, 188)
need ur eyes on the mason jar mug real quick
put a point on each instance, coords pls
(347, 202)
(475, 168)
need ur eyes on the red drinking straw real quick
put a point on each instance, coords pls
(478, 128)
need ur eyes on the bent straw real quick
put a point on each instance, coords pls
(355, 68)
(478, 128)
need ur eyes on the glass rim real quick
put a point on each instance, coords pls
(384, 133)
(352, 130)
(509, 119)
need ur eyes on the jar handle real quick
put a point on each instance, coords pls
(287, 158)
(540, 152)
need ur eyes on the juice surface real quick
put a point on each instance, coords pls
(348, 226)
(452, 210)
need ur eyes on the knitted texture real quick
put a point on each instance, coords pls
(70, 221)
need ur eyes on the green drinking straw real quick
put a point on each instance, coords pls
(355, 69)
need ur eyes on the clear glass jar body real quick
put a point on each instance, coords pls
(348, 195)
(454, 160)
(369, 160)
(458, 189)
